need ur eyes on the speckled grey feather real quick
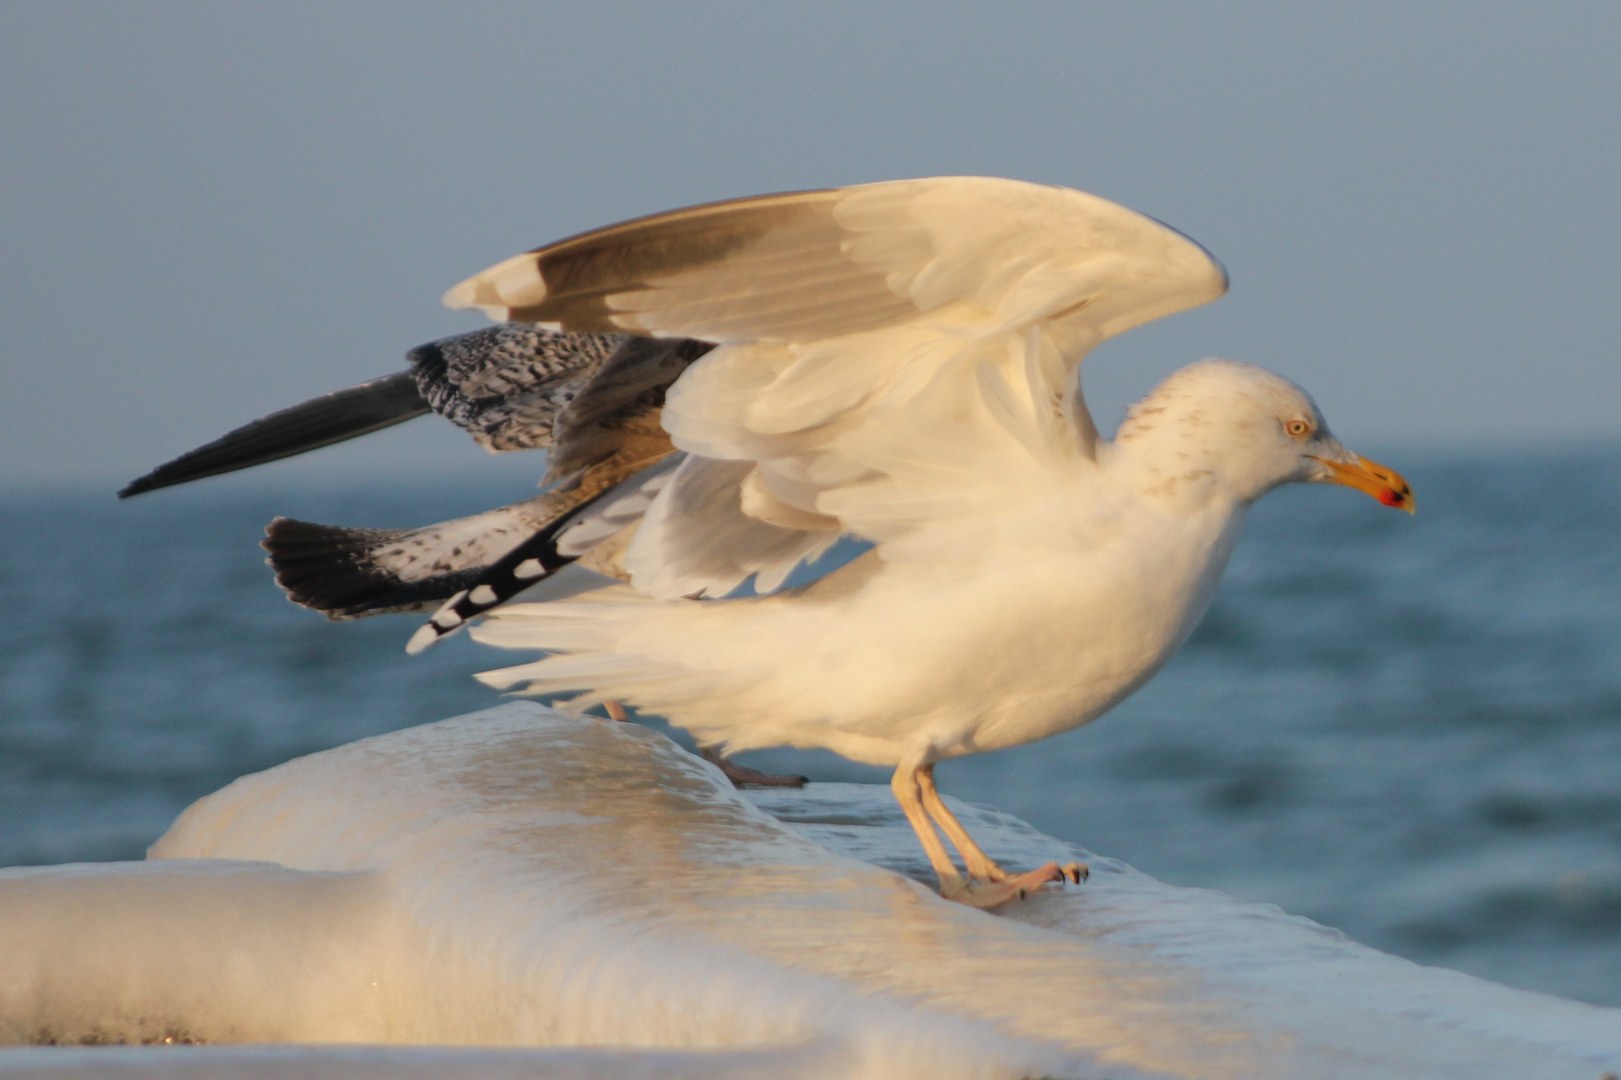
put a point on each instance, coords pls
(507, 385)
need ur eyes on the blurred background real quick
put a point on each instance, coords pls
(1408, 729)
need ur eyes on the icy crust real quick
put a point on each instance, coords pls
(589, 891)
(179, 951)
(1337, 1008)
(336, 1062)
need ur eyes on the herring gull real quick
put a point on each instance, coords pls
(895, 362)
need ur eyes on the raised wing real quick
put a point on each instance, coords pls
(896, 360)
(975, 251)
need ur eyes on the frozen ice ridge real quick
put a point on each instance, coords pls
(547, 896)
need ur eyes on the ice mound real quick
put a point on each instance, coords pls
(588, 891)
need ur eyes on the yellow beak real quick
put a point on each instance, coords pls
(1383, 484)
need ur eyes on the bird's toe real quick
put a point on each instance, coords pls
(989, 894)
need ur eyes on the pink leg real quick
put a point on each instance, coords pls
(991, 885)
(908, 793)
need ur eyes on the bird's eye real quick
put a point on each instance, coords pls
(1297, 429)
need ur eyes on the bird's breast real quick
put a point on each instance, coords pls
(1033, 646)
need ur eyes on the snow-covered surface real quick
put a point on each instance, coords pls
(601, 903)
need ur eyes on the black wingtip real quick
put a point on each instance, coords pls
(330, 418)
(525, 566)
(333, 570)
(137, 486)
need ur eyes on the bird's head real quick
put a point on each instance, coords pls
(1245, 430)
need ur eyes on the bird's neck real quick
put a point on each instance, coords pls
(1179, 477)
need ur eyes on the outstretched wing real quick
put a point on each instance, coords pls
(593, 399)
(331, 418)
(510, 387)
(896, 360)
(350, 573)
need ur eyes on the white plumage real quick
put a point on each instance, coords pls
(897, 362)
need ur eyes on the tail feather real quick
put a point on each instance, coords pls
(591, 657)
(592, 678)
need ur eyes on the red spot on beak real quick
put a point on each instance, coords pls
(1383, 484)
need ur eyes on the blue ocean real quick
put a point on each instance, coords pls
(1408, 729)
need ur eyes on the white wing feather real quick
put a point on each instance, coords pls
(897, 358)
(702, 540)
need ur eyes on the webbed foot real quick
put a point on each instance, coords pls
(989, 894)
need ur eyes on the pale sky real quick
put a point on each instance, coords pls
(209, 211)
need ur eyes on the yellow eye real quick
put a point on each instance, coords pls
(1297, 429)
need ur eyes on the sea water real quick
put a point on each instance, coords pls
(1409, 729)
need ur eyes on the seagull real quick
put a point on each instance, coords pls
(895, 362)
